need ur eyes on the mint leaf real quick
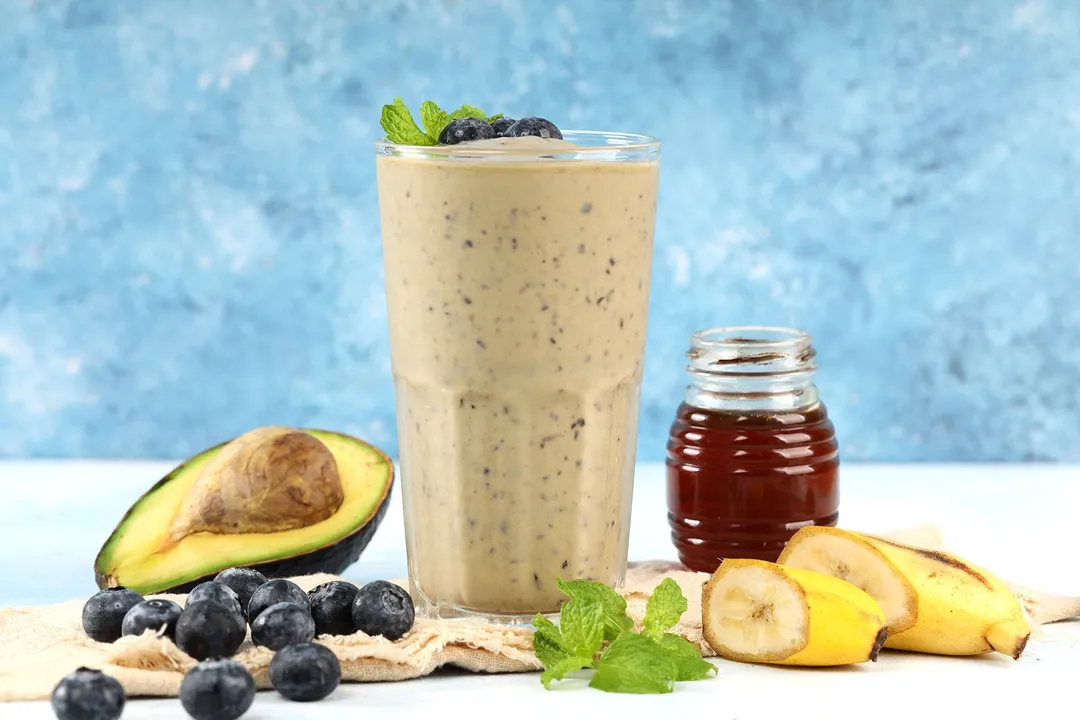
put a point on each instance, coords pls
(561, 669)
(548, 642)
(582, 624)
(572, 644)
(634, 664)
(614, 605)
(468, 111)
(400, 127)
(434, 119)
(649, 662)
(689, 664)
(663, 609)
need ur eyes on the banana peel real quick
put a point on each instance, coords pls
(934, 602)
(1041, 608)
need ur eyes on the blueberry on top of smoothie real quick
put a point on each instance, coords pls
(534, 127)
(383, 608)
(465, 129)
(88, 695)
(501, 125)
(103, 614)
(156, 614)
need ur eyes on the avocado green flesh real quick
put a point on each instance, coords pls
(129, 556)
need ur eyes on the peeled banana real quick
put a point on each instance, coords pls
(761, 612)
(933, 602)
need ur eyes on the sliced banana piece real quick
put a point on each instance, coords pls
(757, 611)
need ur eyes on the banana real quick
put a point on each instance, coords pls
(934, 602)
(760, 612)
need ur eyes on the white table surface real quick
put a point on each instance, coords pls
(1018, 520)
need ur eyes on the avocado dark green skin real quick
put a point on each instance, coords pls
(332, 559)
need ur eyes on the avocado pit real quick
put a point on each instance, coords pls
(267, 480)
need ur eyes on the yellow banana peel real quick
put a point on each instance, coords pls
(934, 602)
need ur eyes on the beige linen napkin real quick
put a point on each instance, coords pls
(40, 645)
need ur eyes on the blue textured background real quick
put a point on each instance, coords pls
(189, 235)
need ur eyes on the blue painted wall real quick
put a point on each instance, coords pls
(189, 234)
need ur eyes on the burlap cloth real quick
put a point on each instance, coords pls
(40, 645)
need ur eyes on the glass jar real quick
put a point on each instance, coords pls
(752, 455)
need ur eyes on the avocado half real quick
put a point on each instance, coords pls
(280, 500)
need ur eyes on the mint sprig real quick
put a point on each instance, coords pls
(612, 603)
(651, 661)
(434, 119)
(572, 644)
(663, 609)
(402, 129)
(634, 664)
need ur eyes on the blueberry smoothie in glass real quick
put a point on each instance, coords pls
(517, 263)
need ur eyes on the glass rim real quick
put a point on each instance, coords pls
(736, 335)
(620, 143)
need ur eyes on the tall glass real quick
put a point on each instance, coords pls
(517, 287)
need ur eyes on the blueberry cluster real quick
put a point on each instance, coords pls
(213, 624)
(470, 128)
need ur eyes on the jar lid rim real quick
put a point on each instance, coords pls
(743, 334)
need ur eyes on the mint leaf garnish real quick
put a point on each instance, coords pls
(468, 111)
(434, 119)
(614, 605)
(634, 664)
(689, 665)
(663, 609)
(400, 127)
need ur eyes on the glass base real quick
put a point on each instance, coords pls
(446, 611)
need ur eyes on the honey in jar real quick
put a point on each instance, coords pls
(752, 455)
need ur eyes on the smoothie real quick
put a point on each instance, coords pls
(517, 276)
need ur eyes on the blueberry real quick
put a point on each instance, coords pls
(208, 629)
(501, 125)
(305, 672)
(331, 607)
(103, 614)
(273, 592)
(464, 130)
(242, 581)
(152, 615)
(534, 126)
(283, 624)
(383, 608)
(217, 690)
(88, 695)
(219, 593)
